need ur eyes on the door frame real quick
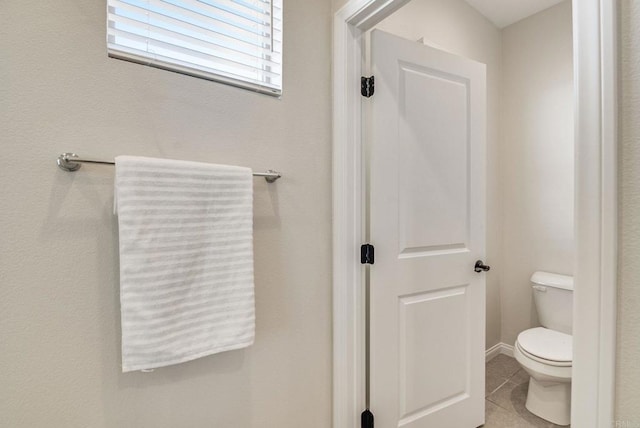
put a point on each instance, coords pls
(595, 72)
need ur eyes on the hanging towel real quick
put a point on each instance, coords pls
(186, 260)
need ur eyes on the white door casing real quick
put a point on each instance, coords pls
(427, 223)
(595, 36)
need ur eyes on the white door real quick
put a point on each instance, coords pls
(427, 224)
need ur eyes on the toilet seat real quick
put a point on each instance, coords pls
(542, 360)
(546, 346)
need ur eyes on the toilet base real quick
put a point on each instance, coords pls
(550, 401)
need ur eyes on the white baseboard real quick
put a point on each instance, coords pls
(499, 348)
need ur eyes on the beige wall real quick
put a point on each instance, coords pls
(536, 159)
(59, 312)
(454, 26)
(337, 4)
(628, 370)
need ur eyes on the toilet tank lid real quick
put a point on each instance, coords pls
(564, 282)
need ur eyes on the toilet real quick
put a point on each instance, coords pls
(546, 353)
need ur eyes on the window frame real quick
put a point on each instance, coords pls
(122, 52)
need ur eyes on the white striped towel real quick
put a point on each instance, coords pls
(186, 260)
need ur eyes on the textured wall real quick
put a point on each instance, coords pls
(456, 27)
(628, 371)
(59, 310)
(537, 157)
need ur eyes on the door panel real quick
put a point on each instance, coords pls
(421, 317)
(427, 222)
(433, 177)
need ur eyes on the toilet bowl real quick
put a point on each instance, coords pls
(546, 353)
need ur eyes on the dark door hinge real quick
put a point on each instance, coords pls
(366, 419)
(367, 86)
(367, 254)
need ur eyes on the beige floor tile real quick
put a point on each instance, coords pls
(497, 417)
(520, 377)
(503, 366)
(499, 370)
(491, 383)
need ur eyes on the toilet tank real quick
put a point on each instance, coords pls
(553, 297)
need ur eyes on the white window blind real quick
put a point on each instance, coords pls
(238, 42)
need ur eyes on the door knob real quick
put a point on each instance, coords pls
(480, 266)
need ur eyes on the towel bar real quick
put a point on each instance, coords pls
(71, 162)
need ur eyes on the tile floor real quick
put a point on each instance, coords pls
(506, 392)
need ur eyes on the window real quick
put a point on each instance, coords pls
(238, 42)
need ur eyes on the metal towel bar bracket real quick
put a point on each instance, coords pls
(71, 162)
